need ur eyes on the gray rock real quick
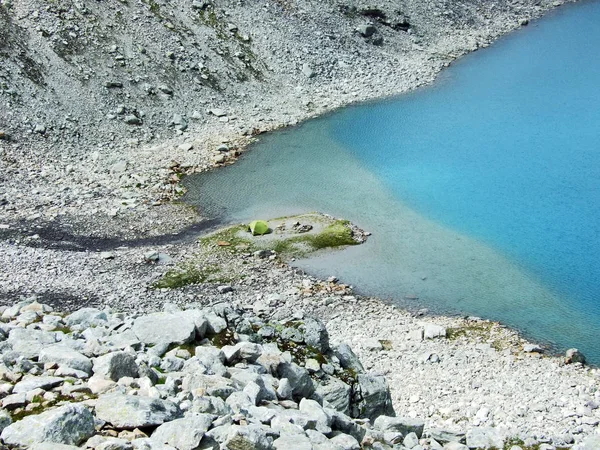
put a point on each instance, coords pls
(312, 409)
(592, 442)
(29, 383)
(67, 357)
(484, 437)
(345, 442)
(345, 424)
(251, 437)
(87, 317)
(5, 419)
(574, 356)
(308, 71)
(532, 348)
(28, 343)
(14, 401)
(366, 30)
(335, 394)
(348, 360)
(411, 440)
(298, 377)
(459, 446)
(371, 397)
(213, 385)
(292, 441)
(185, 433)
(121, 340)
(401, 425)
(445, 436)
(149, 444)
(315, 334)
(165, 328)
(131, 119)
(70, 424)
(218, 112)
(116, 365)
(432, 331)
(128, 411)
(52, 446)
(284, 390)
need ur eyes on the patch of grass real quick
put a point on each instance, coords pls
(230, 236)
(475, 330)
(188, 274)
(519, 442)
(225, 337)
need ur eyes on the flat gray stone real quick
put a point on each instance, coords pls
(165, 328)
(402, 425)
(70, 424)
(432, 331)
(345, 442)
(65, 356)
(87, 317)
(29, 383)
(185, 433)
(28, 343)
(128, 411)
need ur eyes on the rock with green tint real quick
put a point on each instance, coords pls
(70, 424)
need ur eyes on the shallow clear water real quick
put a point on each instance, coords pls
(482, 192)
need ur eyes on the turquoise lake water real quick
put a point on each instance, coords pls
(482, 191)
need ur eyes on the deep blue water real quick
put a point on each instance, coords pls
(482, 191)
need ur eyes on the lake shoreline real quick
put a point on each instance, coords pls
(474, 369)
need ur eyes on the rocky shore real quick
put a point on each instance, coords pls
(91, 162)
(223, 377)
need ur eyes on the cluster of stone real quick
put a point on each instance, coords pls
(186, 379)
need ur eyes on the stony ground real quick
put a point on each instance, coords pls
(104, 106)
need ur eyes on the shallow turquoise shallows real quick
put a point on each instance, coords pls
(482, 192)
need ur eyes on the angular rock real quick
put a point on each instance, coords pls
(70, 424)
(251, 437)
(165, 328)
(371, 397)
(298, 377)
(345, 442)
(445, 436)
(292, 441)
(335, 394)
(67, 357)
(402, 425)
(366, 30)
(128, 411)
(29, 383)
(316, 335)
(115, 366)
(87, 317)
(185, 433)
(432, 331)
(28, 343)
(348, 360)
